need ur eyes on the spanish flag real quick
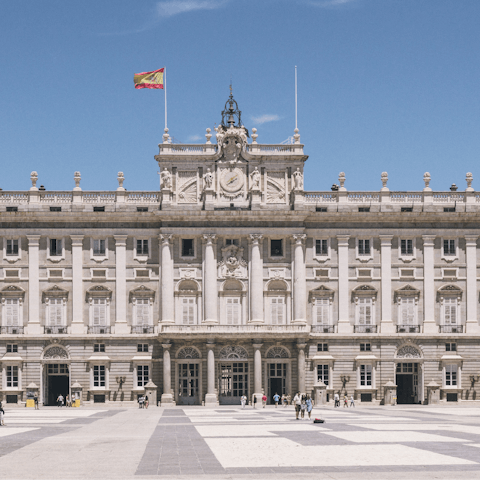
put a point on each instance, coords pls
(149, 79)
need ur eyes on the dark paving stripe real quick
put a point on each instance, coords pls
(91, 418)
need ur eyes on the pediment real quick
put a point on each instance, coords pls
(141, 292)
(364, 291)
(54, 291)
(99, 291)
(321, 292)
(449, 291)
(406, 291)
(12, 291)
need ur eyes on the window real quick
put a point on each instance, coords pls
(406, 247)
(365, 375)
(407, 311)
(55, 311)
(12, 348)
(322, 347)
(142, 311)
(321, 247)
(142, 375)
(321, 209)
(233, 311)
(99, 376)
(449, 247)
(450, 311)
(12, 209)
(365, 311)
(188, 310)
(142, 247)
(363, 209)
(450, 375)
(55, 209)
(142, 347)
(12, 312)
(99, 347)
(98, 247)
(277, 310)
(406, 209)
(232, 241)
(12, 376)
(322, 311)
(449, 209)
(450, 347)
(98, 209)
(142, 209)
(188, 249)
(12, 247)
(276, 248)
(364, 247)
(322, 373)
(365, 347)
(99, 311)
(55, 247)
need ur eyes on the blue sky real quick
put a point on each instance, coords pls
(383, 85)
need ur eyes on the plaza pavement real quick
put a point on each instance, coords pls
(401, 442)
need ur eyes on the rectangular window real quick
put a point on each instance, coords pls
(142, 310)
(231, 241)
(142, 247)
(98, 247)
(364, 247)
(450, 311)
(142, 347)
(233, 311)
(365, 347)
(99, 375)
(450, 347)
(449, 247)
(322, 347)
(12, 348)
(276, 248)
(365, 375)
(142, 209)
(55, 247)
(277, 311)
(187, 247)
(12, 247)
(406, 247)
(12, 376)
(322, 374)
(99, 347)
(363, 209)
(142, 375)
(407, 311)
(55, 209)
(188, 310)
(365, 311)
(450, 375)
(322, 311)
(98, 209)
(321, 247)
(12, 209)
(100, 311)
(55, 308)
(12, 312)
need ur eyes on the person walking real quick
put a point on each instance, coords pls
(303, 407)
(352, 401)
(289, 399)
(264, 400)
(309, 404)
(254, 401)
(276, 399)
(336, 397)
(297, 401)
(2, 414)
(243, 400)
(145, 401)
(35, 401)
(60, 401)
(345, 401)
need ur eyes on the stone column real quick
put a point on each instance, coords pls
(34, 326)
(211, 397)
(471, 260)
(167, 397)
(210, 279)
(121, 284)
(256, 279)
(301, 367)
(77, 326)
(387, 325)
(257, 372)
(429, 325)
(299, 281)
(343, 300)
(166, 280)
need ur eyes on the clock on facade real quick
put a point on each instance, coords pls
(232, 180)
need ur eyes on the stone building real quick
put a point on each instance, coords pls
(232, 280)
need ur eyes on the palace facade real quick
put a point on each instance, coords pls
(232, 280)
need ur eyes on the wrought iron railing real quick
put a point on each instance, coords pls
(450, 328)
(99, 330)
(365, 328)
(408, 328)
(323, 329)
(11, 330)
(55, 330)
(143, 329)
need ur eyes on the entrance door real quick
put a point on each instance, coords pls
(407, 383)
(276, 380)
(233, 382)
(57, 382)
(188, 384)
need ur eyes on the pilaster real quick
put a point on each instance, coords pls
(211, 397)
(472, 326)
(301, 367)
(256, 279)
(387, 325)
(167, 397)
(257, 372)
(429, 324)
(77, 326)
(121, 284)
(299, 280)
(343, 301)
(34, 326)
(166, 279)
(210, 279)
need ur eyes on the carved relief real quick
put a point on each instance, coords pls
(276, 273)
(276, 191)
(188, 273)
(232, 265)
(233, 352)
(277, 352)
(187, 189)
(55, 352)
(188, 352)
(408, 351)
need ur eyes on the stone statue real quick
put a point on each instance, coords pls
(208, 179)
(165, 179)
(298, 179)
(219, 135)
(255, 176)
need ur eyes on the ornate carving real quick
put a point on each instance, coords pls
(299, 238)
(209, 238)
(277, 352)
(208, 180)
(298, 180)
(187, 187)
(276, 273)
(233, 352)
(188, 273)
(56, 352)
(166, 238)
(188, 352)
(165, 179)
(276, 187)
(232, 264)
(409, 351)
(255, 179)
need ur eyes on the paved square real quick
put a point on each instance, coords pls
(229, 443)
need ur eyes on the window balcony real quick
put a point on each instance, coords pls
(323, 329)
(99, 330)
(408, 328)
(143, 329)
(55, 330)
(450, 328)
(365, 328)
(11, 330)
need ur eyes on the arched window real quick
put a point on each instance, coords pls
(12, 309)
(232, 304)
(142, 299)
(188, 303)
(277, 302)
(364, 297)
(55, 300)
(98, 298)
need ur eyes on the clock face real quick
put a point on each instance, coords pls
(232, 180)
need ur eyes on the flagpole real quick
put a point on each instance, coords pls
(295, 97)
(165, 91)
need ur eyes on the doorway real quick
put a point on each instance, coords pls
(407, 383)
(188, 384)
(233, 382)
(57, 382)
(276, 380)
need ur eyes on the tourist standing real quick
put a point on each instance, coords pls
(309, 404)
(289, 399)
(243, 400)
(2, 414)
(345, 401)
(145, 401)
(297, 400)
(352, 401)
(276, 398)
(303, 406)
(336, 397)
(264, 400)
(35, 401)
(254, 401)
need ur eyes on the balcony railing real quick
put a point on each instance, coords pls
(143, 329)
(99, 330)
(450, 328)
(237, 329)
(408, 328)
(55, 330)
(11, 330)
(365, 328)
(323, 328)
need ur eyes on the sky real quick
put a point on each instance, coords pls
(383, 85)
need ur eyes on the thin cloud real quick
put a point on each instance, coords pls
(175, 7)
(265, 119)
(331, 3)
(194, 138)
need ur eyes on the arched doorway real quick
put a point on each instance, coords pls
(408, 374)
(188, 376)
(56, 374)
(278, 372)
(233, 375)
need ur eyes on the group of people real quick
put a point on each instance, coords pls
(143, 401)
(67, 401)
(303, 403)
(345, 400)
